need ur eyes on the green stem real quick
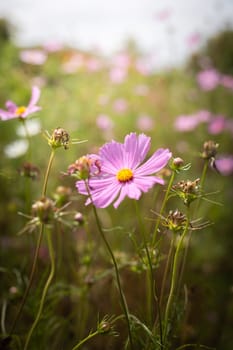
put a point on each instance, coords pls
(51, 158)
(122, 297)
(91, 335)
(174, 278)
(166, 271)
(202, 180)
(152, 290)
(45, 290)
(162, 208)
(36, 254)
(38, 244)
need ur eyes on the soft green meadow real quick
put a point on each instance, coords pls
(154, 273)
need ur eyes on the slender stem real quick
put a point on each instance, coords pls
(91, 335)
(122, 297)
(162, 207)
(152, 290)
(166, 271)
(45, 290)
(47, 172)
(36, 254)
(174, 278)
(38, 244)
(202, 180)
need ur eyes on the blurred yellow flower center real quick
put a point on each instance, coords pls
(124, 175)
(20, 110)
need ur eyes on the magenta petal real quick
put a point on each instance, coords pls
(31, 110)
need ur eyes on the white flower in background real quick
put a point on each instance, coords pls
(16, 149)
(33, 127)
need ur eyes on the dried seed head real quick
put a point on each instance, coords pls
(209, 150)
(187, 190)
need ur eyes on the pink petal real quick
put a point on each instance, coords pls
(155, 163)
(35, 96)
(11, 106)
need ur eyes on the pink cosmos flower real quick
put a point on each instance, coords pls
(122, 174)
(190, 122)
(145, 123)
(120, 105)
(227, 81)
(37, 57)
(217, 125)
(208, 79)
(225, 165)
(104, 122)
(14, 111)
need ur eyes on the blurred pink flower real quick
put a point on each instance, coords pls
(104, 122)
(118, 75)
(227, 81)
(193, 39)
(53, 46)
(225, 165)
(14, 111)
(120, 105)
(36, 57)
(75, 62)
(190, 122)
(121, 60)
(93, 65)
(143, 66)
(208, 79)
(216, 125)
(145, 123)
(163, 15)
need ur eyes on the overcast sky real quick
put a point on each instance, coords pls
(107, 24)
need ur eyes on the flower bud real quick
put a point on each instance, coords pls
(175, 221)
(44, 209)
(29, 170)
(62, 195)
(209, 150)
(187, 190)
(59, 138)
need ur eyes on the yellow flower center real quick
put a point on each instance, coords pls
(124, 175)
(20, 110)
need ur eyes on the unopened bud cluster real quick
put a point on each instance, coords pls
(29, 170)
(175, 221)
(62, 195)
(59, 138)
(44, 210)
(84, 167)
(187, 190)
(209, 150)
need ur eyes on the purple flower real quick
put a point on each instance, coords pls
(217, 125)
(37, 57)
(122, 174)
(190, 122)
(225, 165)
(14, 111)
(227, 81)
(104, 122)
(208, 79)
(145, 123)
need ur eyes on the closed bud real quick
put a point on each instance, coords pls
(209, 150)
(44, 209)
(59, 138)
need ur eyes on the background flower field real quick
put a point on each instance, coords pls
(97, 99)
